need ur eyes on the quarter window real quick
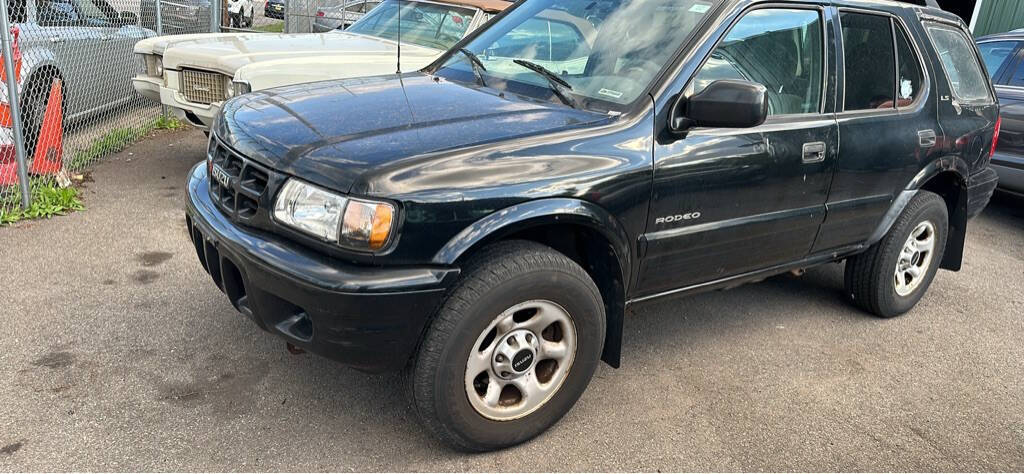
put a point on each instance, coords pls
(960, 63)
(778, 48)
(996, 54)
(870, 64)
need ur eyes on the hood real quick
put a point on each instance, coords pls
(229, 52)
(159, 44)
(337, 133)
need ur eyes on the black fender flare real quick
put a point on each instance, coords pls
(953, 256)
(552, 211)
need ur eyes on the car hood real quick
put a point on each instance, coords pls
(228, 53)
(340, 134)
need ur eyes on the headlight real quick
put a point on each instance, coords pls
(239, 88)
(353, 223)
(154, 65)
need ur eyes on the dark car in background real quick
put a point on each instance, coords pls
(274, 9)
(1004, 57)
(483, 223)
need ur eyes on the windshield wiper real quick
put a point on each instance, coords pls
(558, 85)
(478, 66)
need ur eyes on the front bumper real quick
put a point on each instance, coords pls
(980, 187)
(148, 86)
(370, 318)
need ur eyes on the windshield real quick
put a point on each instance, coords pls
(425, 24)
(607, 51)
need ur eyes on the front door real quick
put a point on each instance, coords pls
(730, 201)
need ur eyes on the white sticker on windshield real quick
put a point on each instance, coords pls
(610, 93)
(700, 8)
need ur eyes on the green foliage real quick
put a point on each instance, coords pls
(119, 138)
(48, 200)
(168, 122)
(271, 28)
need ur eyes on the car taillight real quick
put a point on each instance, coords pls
(995, 137)
(320, 13)
(16, 54)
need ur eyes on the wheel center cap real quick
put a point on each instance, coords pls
(522, 361)
(515, 354)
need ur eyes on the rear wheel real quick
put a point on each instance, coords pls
(892, 275)
(511, 350)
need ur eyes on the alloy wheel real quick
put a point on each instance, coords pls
(520, 360)
(915, 257)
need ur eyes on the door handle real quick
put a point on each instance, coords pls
(814, 152)
(56, 39)
(926, 138)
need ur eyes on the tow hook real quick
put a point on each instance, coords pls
(294, 350)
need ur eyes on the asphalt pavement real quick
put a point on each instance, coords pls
(118, 353)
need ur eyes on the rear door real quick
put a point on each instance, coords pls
(730, 201)
(887, 123)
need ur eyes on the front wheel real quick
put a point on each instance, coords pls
(892, 275)
(511, 350)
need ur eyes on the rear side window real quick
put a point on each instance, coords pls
(960, 63)
(911, 78)
(870, 62)
(996, 54)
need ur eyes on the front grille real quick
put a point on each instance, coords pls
(242, 183)
(203, 87)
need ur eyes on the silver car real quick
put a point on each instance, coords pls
(341, 15)
(87, 44)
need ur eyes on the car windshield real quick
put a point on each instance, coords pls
(606, 51)
(433, 25)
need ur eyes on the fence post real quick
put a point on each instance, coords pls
(12, 99)
(159, 18)
(215, 6)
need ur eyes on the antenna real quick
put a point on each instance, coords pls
(399, 37)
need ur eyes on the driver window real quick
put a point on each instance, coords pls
(57, 13)
(93, 13)
(780, 49)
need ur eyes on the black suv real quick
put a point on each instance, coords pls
(485, 222)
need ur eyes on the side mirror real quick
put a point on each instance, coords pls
(128, 18)
(725, 103)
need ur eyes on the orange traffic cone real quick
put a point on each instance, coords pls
(50, 147)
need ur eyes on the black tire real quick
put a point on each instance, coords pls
(501, 276)
(870, 278)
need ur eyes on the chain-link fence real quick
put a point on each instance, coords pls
(69, 94)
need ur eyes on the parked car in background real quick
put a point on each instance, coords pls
(84, 43)
(341, 16)
(484, 223)
(1004, 58)
(241, 13)
(274, 9)
(195, 74)
(177, 16)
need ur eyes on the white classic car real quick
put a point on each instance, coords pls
(195, 74)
